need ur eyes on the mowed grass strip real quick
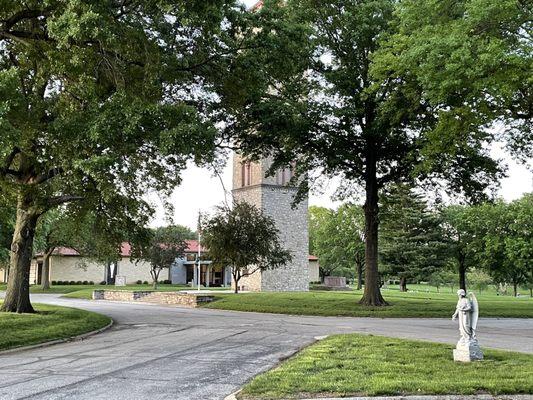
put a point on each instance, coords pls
(49, 323)
(361, 365)
(58, 289)
(403, 305)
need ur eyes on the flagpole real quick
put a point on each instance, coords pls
(199, 251)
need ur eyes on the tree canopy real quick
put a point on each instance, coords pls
(337, 238)
(163, 247)
(338, 111)
(472, 60)
(413, 244)
(102, 102)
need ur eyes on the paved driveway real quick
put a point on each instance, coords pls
(156, 352)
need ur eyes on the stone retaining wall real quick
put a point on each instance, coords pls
(177, 298)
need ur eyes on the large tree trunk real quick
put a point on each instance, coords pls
(372, 295)
(45, 273)
(236, 283)
(403, 284)
(515, 289)
(359, 276)
(17, 297)
(462, 274)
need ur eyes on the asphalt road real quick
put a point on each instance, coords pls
(157, 352)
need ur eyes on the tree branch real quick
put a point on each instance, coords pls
(7, 163)
(58, 200)
(45, 177)
(24, 14)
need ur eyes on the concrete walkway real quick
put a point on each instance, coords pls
(157, 352)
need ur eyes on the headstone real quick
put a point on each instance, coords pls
(335, 281)
(120, 280)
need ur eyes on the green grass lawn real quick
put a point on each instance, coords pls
(410, 304)
(363, 365)
(75, 288)
(49, 323)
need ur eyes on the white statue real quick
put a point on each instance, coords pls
(468, 312)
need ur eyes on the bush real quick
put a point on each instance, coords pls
(85, 283)
(103, 283)
(145, 283)
(167, 282)
(139, 282)
(72, 283)
(78, 283)
(53, 283)
(91, 283)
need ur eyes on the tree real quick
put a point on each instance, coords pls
(337, 113)
(245, 239)
(472, 60)
(479, 279)
(7, 222)
(95, 236)
(412, 246)
(442, 277)
(462, 230)
(162, 249)
(336, 237)
(102, 102)
(506, 248)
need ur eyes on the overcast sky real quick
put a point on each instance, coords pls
(200, 191)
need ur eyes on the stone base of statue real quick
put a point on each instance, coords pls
(467, 351)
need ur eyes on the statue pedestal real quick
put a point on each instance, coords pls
(467, 351)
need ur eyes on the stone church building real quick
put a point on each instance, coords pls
(274, 198)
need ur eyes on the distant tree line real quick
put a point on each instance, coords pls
(456, 245)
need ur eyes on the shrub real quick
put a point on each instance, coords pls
(72, 283)
(53, 283)
(78, 283)
(167, 282)
(85, 283)
(103, 283)
(139, 282)
(91, 283)
(145, 283)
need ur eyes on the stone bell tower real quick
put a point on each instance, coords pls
(274, 197)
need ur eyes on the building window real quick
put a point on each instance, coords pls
(246, 173)
(284, 175)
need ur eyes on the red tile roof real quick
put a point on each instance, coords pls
(257, 5)
(125, 250)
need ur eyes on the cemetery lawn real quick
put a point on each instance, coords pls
(402, 305)
(48, 323)
(361, 365)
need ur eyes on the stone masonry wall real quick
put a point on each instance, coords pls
(275, 201)
(175, 298)
(250, 195)
(292, 224)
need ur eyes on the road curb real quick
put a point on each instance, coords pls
(435, 397)
(58, 341)
(418, 397)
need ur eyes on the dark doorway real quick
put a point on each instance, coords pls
(39, 273)
(111, 272)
